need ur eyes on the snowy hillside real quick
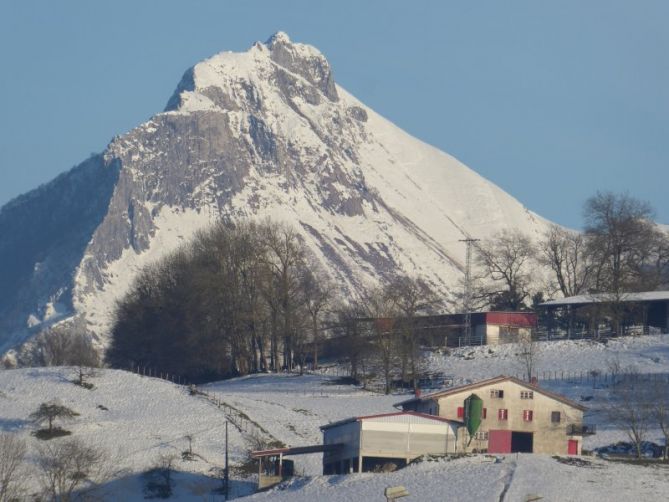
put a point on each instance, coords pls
(515, 478)
(145, 417)
(262, 133)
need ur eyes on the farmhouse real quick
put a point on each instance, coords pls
(507, 415)
(370, 443)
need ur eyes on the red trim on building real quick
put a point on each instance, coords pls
(514, 319)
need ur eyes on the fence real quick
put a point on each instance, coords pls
(596, 376)
(236, 417)
(546, 334)
(153, 373)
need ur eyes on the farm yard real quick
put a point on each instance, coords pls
(138, 419)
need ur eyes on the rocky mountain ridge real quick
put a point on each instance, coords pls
(264, 133)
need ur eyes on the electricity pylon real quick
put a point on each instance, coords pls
(467, 300)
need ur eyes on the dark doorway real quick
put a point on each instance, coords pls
(381, 464)
(521, 442)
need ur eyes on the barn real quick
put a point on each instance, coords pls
(448, 330)
(642, 312)
(390, 440)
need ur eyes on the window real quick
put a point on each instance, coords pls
(481, 435)
(461, 412)
(484, 413)
(496, 393)
(527, 415)
(555, 417)
(502, 414)
(526, 394)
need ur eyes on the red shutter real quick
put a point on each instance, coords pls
(484, 413)
(461, 412)
(502, 414)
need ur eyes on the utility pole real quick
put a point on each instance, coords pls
(467, 300)
(227, 475)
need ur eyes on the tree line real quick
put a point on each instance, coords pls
(238, 299)
(621, 250)
(382, 340)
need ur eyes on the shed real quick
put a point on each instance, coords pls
(386, 441)
(647, 309)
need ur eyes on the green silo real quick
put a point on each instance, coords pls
(473, 413)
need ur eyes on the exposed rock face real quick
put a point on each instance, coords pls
(265, 133)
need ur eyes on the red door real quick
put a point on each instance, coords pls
(572, 447)
(499, 442)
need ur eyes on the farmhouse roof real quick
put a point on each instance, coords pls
(492, 381)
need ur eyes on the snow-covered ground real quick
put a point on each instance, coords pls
(514, 478)
(146, 417)
(647, 354)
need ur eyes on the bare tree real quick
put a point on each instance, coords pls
(382, 313)
(318, 294)
(529, 355)
(504, 261)
(286, 264)
(49, 412)
(631, 408)
(71, 468)
(565, 253)
(410, 296)
(67, 345)
(356, 347)
(626, 247)
(12, 453)
(660, 410)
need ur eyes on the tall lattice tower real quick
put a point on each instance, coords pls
(467, 300)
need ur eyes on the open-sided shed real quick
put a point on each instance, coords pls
(389, 440)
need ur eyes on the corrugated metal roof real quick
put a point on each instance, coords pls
(645, 296)
(395, 417)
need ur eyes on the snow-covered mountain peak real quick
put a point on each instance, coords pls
(225, 80)
(265, 132)
(280, 37)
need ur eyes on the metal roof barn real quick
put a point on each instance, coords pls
(386, 442)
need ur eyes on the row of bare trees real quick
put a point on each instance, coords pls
(237, 299)
(380, 332)
(621, 250)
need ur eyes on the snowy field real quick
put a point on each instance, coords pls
(146, 417)
(514, 479)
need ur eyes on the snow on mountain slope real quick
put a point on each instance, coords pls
(264, 133)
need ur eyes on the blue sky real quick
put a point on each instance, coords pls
(552, 101)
